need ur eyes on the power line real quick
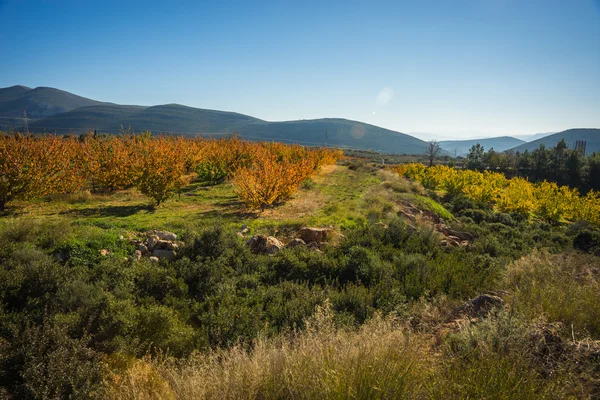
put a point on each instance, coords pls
(25, 118)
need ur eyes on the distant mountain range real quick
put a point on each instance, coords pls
(54, 110)
(535, 136)
(462, 147)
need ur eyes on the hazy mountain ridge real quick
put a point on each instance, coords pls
(40, 102)
(54, 110)
(179, 119)
(590, 135)
(461, 147)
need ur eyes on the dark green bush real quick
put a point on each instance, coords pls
(44, 362)
(587, 241)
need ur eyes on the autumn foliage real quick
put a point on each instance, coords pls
(544, 200)
(262, 173)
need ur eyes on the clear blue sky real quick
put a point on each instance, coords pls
(464, 67)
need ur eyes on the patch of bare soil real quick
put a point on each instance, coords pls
(305, 202)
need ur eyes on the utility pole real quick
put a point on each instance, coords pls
(26, 126)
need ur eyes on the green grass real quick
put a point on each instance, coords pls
(428, 204)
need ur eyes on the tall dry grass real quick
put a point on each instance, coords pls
(381, 360)
(563, 288)
(378, 361)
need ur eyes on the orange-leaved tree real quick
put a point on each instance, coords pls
(161, 168)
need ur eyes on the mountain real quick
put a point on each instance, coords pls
(85, 118)
(39, 102)
(175, 118)
(589, 135)
(531, 138)
(11, 93)
(337, 132)
(178, 119)
(69, 113)
(462, 147)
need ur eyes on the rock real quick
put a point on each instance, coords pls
(451, 232)
(104, 252)
(317, 235)
(60, 256)
(163, 235)
(153, 259)
(163, 245)
(295, 243)
(138, 255)
(313, 245)
(408, 216)
(152, 242)
(168, 255)
(479, 307)
(143, 249)
(482, 305)
(261, 244)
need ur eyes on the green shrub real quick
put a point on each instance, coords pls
(212, 172)
(46, 363)
(588, 241)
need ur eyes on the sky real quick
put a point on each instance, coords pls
(460, 69)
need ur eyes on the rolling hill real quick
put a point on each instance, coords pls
(69, 113)
(535, 136)
(461, 147)
(85, 118)
(591, 136)
(11, 93)
(175, 118)
(39, 102)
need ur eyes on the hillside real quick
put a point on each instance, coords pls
(39, 102)
(340, 133)
(590, 135)
(12, 92)
(461, 147)
(535, 136)
(175, 118)
(85, 118)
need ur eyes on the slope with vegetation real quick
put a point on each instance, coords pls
(461, 147)
(395, 307)
(53, 110)
(570, 136)
(39, 102)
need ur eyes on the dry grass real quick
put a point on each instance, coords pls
(379, 361)
(563, 288)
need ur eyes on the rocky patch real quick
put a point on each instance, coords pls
(157, 245)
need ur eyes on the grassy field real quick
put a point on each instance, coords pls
(384, 312)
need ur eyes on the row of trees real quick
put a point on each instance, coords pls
(545, 200)
(558, 164)
(264, 173)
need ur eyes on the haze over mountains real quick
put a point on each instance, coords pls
(54, 110)
(461, 147)
(590, 136)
